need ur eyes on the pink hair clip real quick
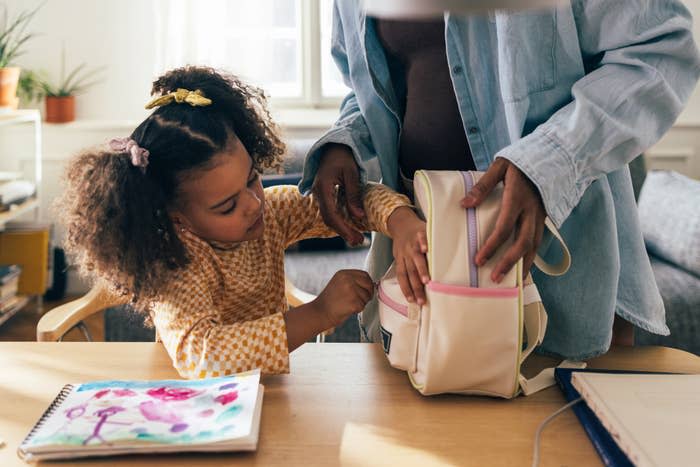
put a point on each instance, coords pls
(139, 155)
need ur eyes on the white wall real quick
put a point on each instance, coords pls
(117, 34)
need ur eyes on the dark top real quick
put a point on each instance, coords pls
(432, 136)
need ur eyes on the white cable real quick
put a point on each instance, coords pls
(536, 451)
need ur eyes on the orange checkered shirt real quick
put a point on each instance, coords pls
(225, 312)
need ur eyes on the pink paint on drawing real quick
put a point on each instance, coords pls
(173, 394)
(227, 397)
(158, 412)
(100, 394)
(123, 392)
(206, 413)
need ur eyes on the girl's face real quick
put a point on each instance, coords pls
(225, 202)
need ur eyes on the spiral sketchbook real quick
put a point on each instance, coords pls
(138, 417)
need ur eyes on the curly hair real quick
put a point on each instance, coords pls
(116, 216)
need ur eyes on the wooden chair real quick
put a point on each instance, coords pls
(57, 322)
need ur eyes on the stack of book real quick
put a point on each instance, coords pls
(10, 301)
(13, 190)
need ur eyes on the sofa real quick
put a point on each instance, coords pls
(669, 213)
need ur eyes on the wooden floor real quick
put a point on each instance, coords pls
(22, 326)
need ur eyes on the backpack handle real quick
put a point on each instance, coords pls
(563, 265)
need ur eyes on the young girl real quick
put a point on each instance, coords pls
(175, 216)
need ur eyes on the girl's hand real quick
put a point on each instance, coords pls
(410, 246)
(347, 293)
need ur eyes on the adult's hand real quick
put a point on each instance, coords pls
(521, 212)
(338, 172)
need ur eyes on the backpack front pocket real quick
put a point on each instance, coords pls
(398, 326)
(469, 341)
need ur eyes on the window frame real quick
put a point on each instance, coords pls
(310, 68)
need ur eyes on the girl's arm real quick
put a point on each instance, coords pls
(300, 218)
(387, 212)
(347, 293)
(200, 345)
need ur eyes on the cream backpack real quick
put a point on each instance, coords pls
(469, 337)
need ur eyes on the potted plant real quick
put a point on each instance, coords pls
(13, 38)
(30, 87)
(60, 97)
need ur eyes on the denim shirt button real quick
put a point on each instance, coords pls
(457, 69)
(473, 130)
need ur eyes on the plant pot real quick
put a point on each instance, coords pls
(60, 109)
(9, 77)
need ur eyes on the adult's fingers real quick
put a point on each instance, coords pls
(522, 246)
(505, 224)
(331, 213)
(529, 258)
(353, 192)
(481, 189)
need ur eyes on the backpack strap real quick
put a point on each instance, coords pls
(535, 318)
(545, 378)
(564, 264)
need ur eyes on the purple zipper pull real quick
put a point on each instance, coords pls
(471, 231)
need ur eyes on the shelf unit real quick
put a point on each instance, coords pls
(23, 117)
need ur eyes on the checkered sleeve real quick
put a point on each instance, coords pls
(301, 218)
(200, 345)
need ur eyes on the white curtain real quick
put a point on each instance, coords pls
(258, 40)
(190, 32)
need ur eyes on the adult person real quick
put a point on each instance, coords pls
(554, 103)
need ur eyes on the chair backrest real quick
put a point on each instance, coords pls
(58, 321)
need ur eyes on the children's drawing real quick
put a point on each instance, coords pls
(226, 398)
(177, 411)
(103, 415)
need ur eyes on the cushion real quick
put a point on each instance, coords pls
(680, 291)
(669, 212)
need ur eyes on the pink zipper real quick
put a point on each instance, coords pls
(391, 303)
(459, 290)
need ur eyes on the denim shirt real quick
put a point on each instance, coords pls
(569, 95)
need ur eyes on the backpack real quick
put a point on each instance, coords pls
(469, 337)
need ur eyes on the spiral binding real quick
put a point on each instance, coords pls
(67, 389)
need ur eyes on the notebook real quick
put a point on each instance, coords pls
(609, 452)
(653, 418)
(138, 417)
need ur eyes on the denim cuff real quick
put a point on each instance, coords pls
(338, 135)
(546, 163)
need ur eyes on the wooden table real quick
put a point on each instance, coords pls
(341, 405)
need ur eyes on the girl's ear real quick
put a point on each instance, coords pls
(180, 220)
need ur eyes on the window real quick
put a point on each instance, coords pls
(282, 46)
